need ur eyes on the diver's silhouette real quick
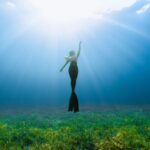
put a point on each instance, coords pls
(73, 72)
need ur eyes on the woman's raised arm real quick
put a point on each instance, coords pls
(78, 53)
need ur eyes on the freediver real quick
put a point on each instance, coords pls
(73, 73)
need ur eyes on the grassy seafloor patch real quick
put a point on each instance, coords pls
(119, 130)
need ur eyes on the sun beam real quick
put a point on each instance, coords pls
(64, 16)
(73, 14)
(69, 17)
(64, 11)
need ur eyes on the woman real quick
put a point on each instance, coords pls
(73, 72)
(73, 69)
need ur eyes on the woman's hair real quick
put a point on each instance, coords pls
(72, 53)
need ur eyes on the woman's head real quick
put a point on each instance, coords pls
(72, 53)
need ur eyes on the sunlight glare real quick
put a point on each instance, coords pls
(67, 17)
(72, 16)
(64, 10)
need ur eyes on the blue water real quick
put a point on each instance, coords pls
(114, 64)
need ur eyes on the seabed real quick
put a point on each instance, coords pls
(93, 128)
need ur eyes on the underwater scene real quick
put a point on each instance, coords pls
(75, 75)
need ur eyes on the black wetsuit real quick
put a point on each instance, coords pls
(73, 72)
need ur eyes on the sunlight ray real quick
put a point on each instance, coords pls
(16, 34)
(127, 27)
(92, 75)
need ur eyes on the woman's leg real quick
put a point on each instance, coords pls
(73, 72)
(73, 84)
(73, 104)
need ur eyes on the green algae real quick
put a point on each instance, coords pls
(81, 131)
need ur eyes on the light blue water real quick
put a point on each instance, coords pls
(114, 65)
